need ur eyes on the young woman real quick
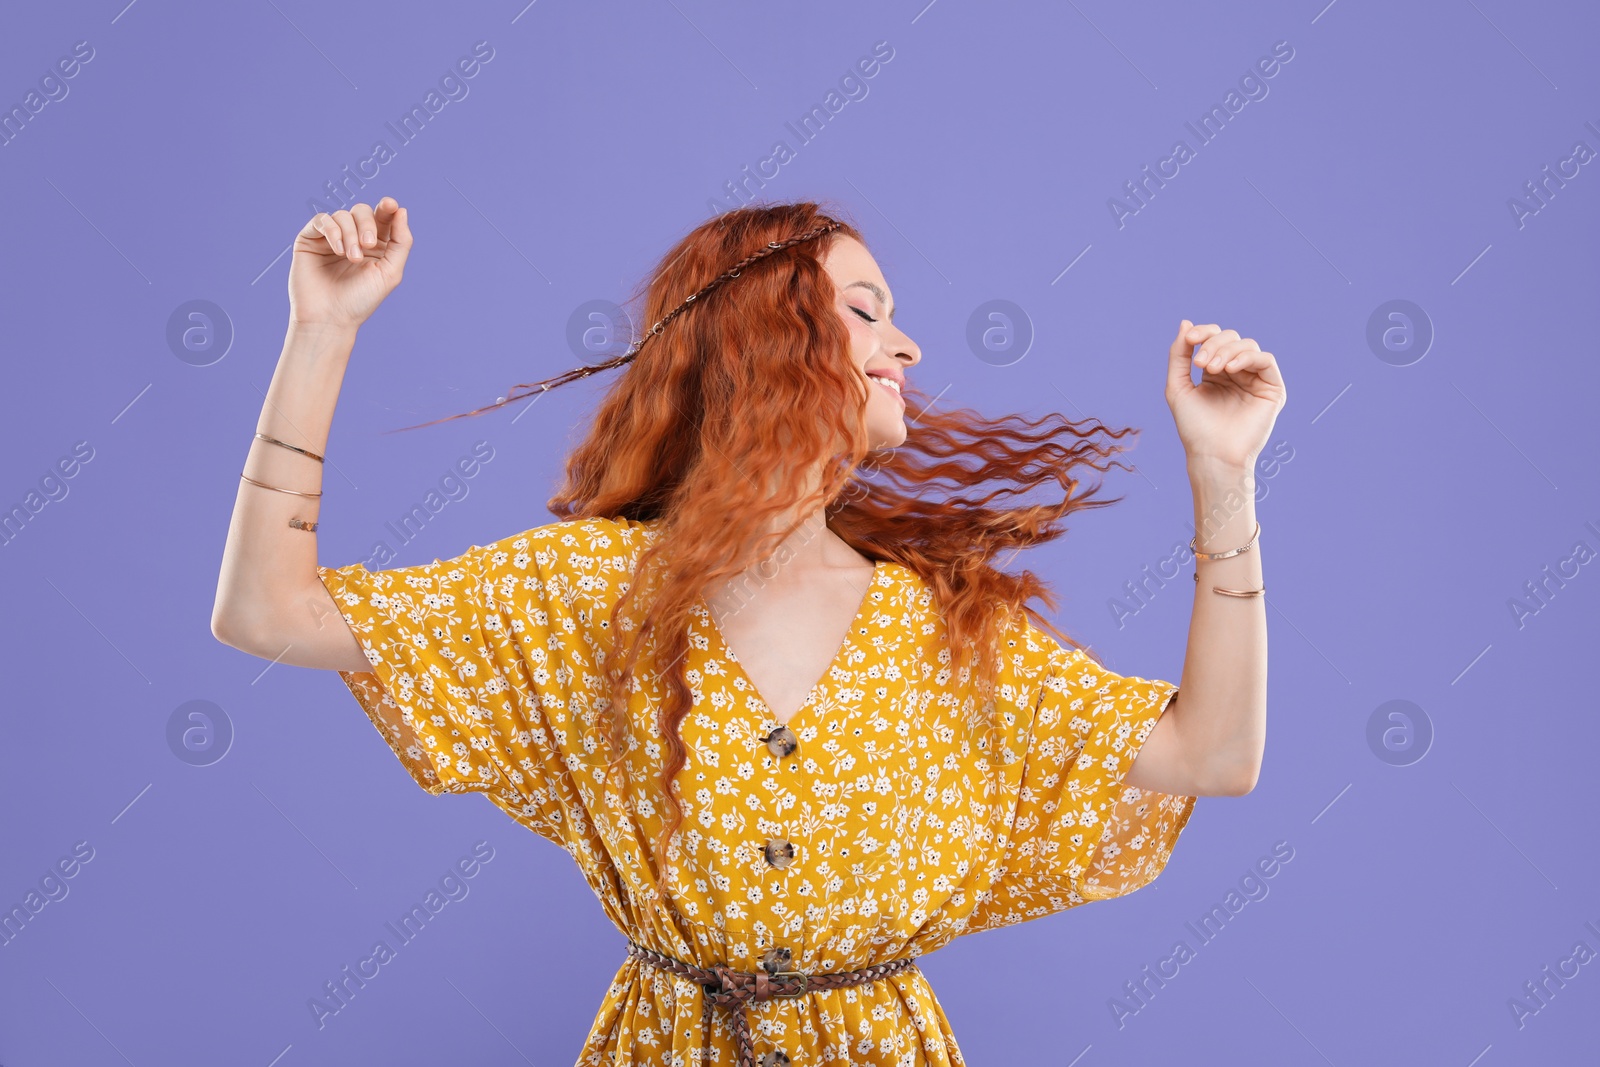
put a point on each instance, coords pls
(764, 685)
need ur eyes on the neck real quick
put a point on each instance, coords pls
(810, 547)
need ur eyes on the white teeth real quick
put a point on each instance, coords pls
(890, 382)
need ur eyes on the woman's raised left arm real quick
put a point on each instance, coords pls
(1211, 739)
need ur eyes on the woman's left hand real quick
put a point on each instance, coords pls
(1229, 415)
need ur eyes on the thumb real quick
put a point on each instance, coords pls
(399, 241)
(1180, 362)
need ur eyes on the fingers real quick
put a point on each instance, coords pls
(1221, 354)
(350, 246)
(1206, 355)
(1207, 337)
(349, 231)
(1217, 348)
(1218, 359)
(366, 226)
(1210, 338)
(1262, 363)
(1215, 351)
(383, 216)
(322, 225)
(399, 238)
(1179, 366)
(1243, 361)
(1241, 355)
(397, 220)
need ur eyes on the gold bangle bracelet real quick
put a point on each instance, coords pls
(264, 485)
(1247, 546)
(284, 444)
(1235, 592)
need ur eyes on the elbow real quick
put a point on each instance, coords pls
(1242, 786)
(1236, 782)
(1230, 779)
(222, 629)
(228, 626)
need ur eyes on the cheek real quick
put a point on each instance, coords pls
(862, 341)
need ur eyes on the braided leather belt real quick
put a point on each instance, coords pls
(730, 989)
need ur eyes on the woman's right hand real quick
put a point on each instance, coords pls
(347, 262)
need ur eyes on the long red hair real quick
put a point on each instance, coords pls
(751, 386)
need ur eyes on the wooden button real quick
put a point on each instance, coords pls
(774, 1059)
(776, 960)
(782, 741)
(779, 853)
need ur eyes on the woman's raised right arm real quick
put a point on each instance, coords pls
(270, 601)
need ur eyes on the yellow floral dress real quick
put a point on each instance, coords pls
(906, 824)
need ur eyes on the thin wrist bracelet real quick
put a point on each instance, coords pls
(291, 448)
(1235, 592)
(278, 489)
(1198, 555)
(1247, 546)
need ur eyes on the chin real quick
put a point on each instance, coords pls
(885, 422)
(887, 433)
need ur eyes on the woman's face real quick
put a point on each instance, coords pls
(878, 348)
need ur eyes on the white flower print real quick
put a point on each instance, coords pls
(910, 822)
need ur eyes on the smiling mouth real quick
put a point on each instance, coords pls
(888, 385)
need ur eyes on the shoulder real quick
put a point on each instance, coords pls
(899, 587)
(902, 585)
(1019, 646)
(587, 561)
(574, 542)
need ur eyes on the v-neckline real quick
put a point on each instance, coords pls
(811, 696)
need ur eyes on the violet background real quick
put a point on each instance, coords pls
(1417, 501)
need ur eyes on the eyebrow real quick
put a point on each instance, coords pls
(877, 292)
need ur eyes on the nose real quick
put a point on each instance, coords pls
(903, 348)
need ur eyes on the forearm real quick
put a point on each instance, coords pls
(265, 560)
(1221, 713)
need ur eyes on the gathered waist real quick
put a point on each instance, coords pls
(726, 988)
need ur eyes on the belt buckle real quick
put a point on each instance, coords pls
(805, 982)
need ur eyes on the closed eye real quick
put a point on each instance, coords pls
(863, 314)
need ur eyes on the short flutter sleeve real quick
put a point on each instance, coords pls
(481, 663)
(1080, 832)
